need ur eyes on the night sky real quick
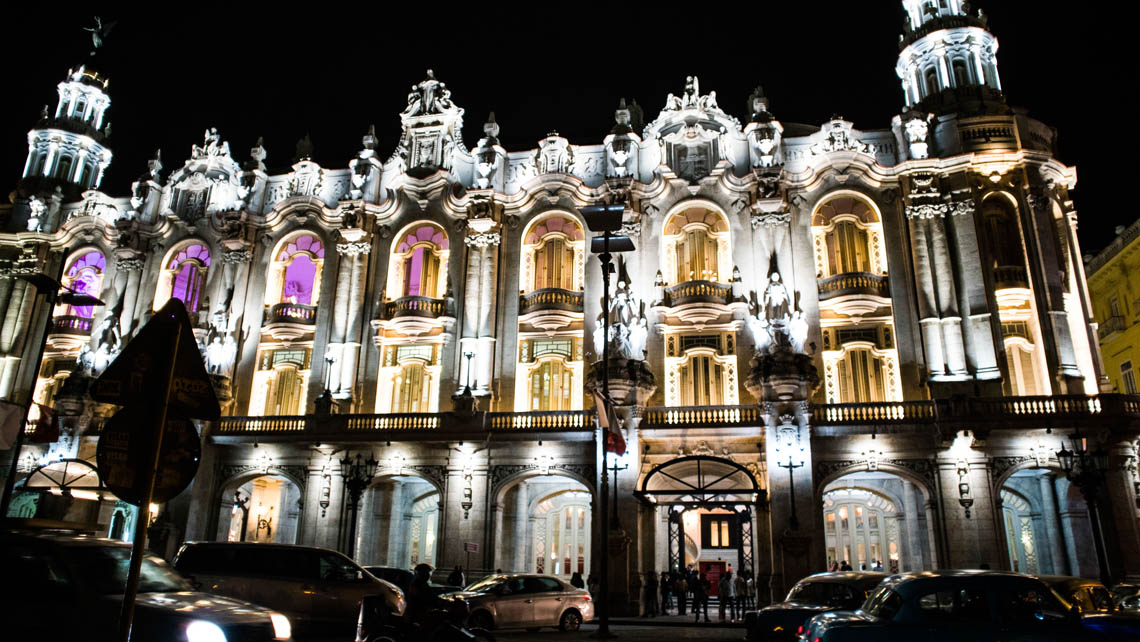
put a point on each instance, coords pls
(282, 73)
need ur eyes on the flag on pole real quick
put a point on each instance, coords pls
(609, 423)
(11, 421)
(44, 428)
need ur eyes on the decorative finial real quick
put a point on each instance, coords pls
(99, 33)
(304, 150)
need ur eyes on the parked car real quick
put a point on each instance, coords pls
(403, 579)
(979, 606)
(1088, 596)
(1122, 592)
(319, 589)
(71, 588)
(811, 595)
(523, 601)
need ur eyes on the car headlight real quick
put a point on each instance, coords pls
(282, 630)
(203, 631)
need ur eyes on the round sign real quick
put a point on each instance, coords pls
(125, 445)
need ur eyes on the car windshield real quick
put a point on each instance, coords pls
(104, 568)
(820, 593)
(883, 603)
(485, 584)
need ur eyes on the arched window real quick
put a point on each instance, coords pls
(84, 275)
(1003, 234)
(1020, 538)
(848, 238)
(861, 377)
(961, 73)
(697, 247)
(931, 81)
(419, 263)
(702, 381)
(295, 275)
(562, 534)
(63, 168)
(183, 276)
(553, 255)
(860, 529)
(552, 385)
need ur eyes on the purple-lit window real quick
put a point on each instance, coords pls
(85, 275)
(300, 269)
(419, 252)
(189, 268)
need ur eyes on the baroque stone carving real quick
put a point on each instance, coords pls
(501, 473)
(354, 249)
(294, 473)
(924, 469)
(927, 211)
(485, 239)
(1001, 465)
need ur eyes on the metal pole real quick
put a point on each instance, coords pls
(1091, 496)
(10, 480)
(603, 494)
(126, 616)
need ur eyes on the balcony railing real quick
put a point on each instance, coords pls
(416, 306)
(1111, 326)
(71, 325)
(698, 292)
(550, 299)
(289, 424)
(291, 313)
(872, 413)
(854, 283)
(702, 416)
(1010, 276)
(406, 421)
(554, 420)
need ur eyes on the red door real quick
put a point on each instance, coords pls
(713, 571)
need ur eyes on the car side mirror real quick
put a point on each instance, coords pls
(1054, 616)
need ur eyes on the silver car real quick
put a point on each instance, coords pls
(523, 601)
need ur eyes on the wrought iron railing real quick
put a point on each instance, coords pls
(854, 283)
(553, 420)
(291, 313)
(70, 324)
(698, 292)
(1111, 326)
(1010, 276)
(416, 306)
(550, 299)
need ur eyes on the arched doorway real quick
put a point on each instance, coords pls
(399, 522)
(1046, 525)
(708, 507)
(878, 519)
(544, 526)
(260, 508)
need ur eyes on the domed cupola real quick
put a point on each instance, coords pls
(948, 58)
(67, 145)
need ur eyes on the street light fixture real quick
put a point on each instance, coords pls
(1088, 471)
(605, 219)
(357, 473)
(49, 289)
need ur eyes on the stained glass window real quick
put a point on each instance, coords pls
(85, 276)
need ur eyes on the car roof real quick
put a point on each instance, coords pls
(907, 584)
(1068, 581)
(844, 576)
(260, 545)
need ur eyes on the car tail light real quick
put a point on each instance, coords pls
(586, 597)
(800, 631)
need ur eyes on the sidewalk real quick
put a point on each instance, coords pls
(678, 620)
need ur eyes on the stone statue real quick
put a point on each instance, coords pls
(36, 210)
(776, 320)
(629, 327)
(428, 97)
(216, 356)
(99, 33)
(110, 343)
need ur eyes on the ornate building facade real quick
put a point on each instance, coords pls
(831, 343)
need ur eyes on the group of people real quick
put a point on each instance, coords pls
(876, 566)
(688, 590)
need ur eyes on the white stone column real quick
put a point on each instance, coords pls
(914, 550)
(396, 532)
(1052, 529)
(354, 253)
(926, 295)
(485, 358)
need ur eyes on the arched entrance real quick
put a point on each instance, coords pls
(878, 519)
(260, 508)
(544, 526)
(399, 522)
(708, 506)
(1046, 525)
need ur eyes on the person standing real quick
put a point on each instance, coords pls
(681, 589)
(592, 585)
(700, 588)
(650, 594)
(666, 587)
(456, 578)
(576, 581)
(726, 596)
(740, 587)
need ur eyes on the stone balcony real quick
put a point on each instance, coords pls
(697, 302)
(416, 315)
(855, 293)
(69, 332)
(1111, 327)
(550, 308)
(1009, 277)
(289, 321)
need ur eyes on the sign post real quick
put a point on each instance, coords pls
(158, 375)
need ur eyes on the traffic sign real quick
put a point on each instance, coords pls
(125, 443)
(136, 375)
(470, 547)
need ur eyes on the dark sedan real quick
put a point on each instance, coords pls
(811, 595)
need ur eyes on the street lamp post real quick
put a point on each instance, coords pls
(616, 469)
(605, 219)
(1087, 471)
(358, 473)
(49, 289)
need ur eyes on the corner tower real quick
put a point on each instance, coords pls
(948, 58)
(66, 147)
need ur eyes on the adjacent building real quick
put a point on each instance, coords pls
(832, 343)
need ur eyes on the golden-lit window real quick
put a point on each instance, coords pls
(861, 377)
(551, 386)
(847, 249)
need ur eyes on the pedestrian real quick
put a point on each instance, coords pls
(751, 597)
(592, 585)
(700, 588)
(456, 578)
(650, 594)
(576, 581)
(845, 566)
(681, 589)
(740, 586)
(878, 568)
(726, 597)
(666, 592)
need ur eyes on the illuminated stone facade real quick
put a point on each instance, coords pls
(831, 343)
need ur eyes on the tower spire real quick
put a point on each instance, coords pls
(947, 57)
